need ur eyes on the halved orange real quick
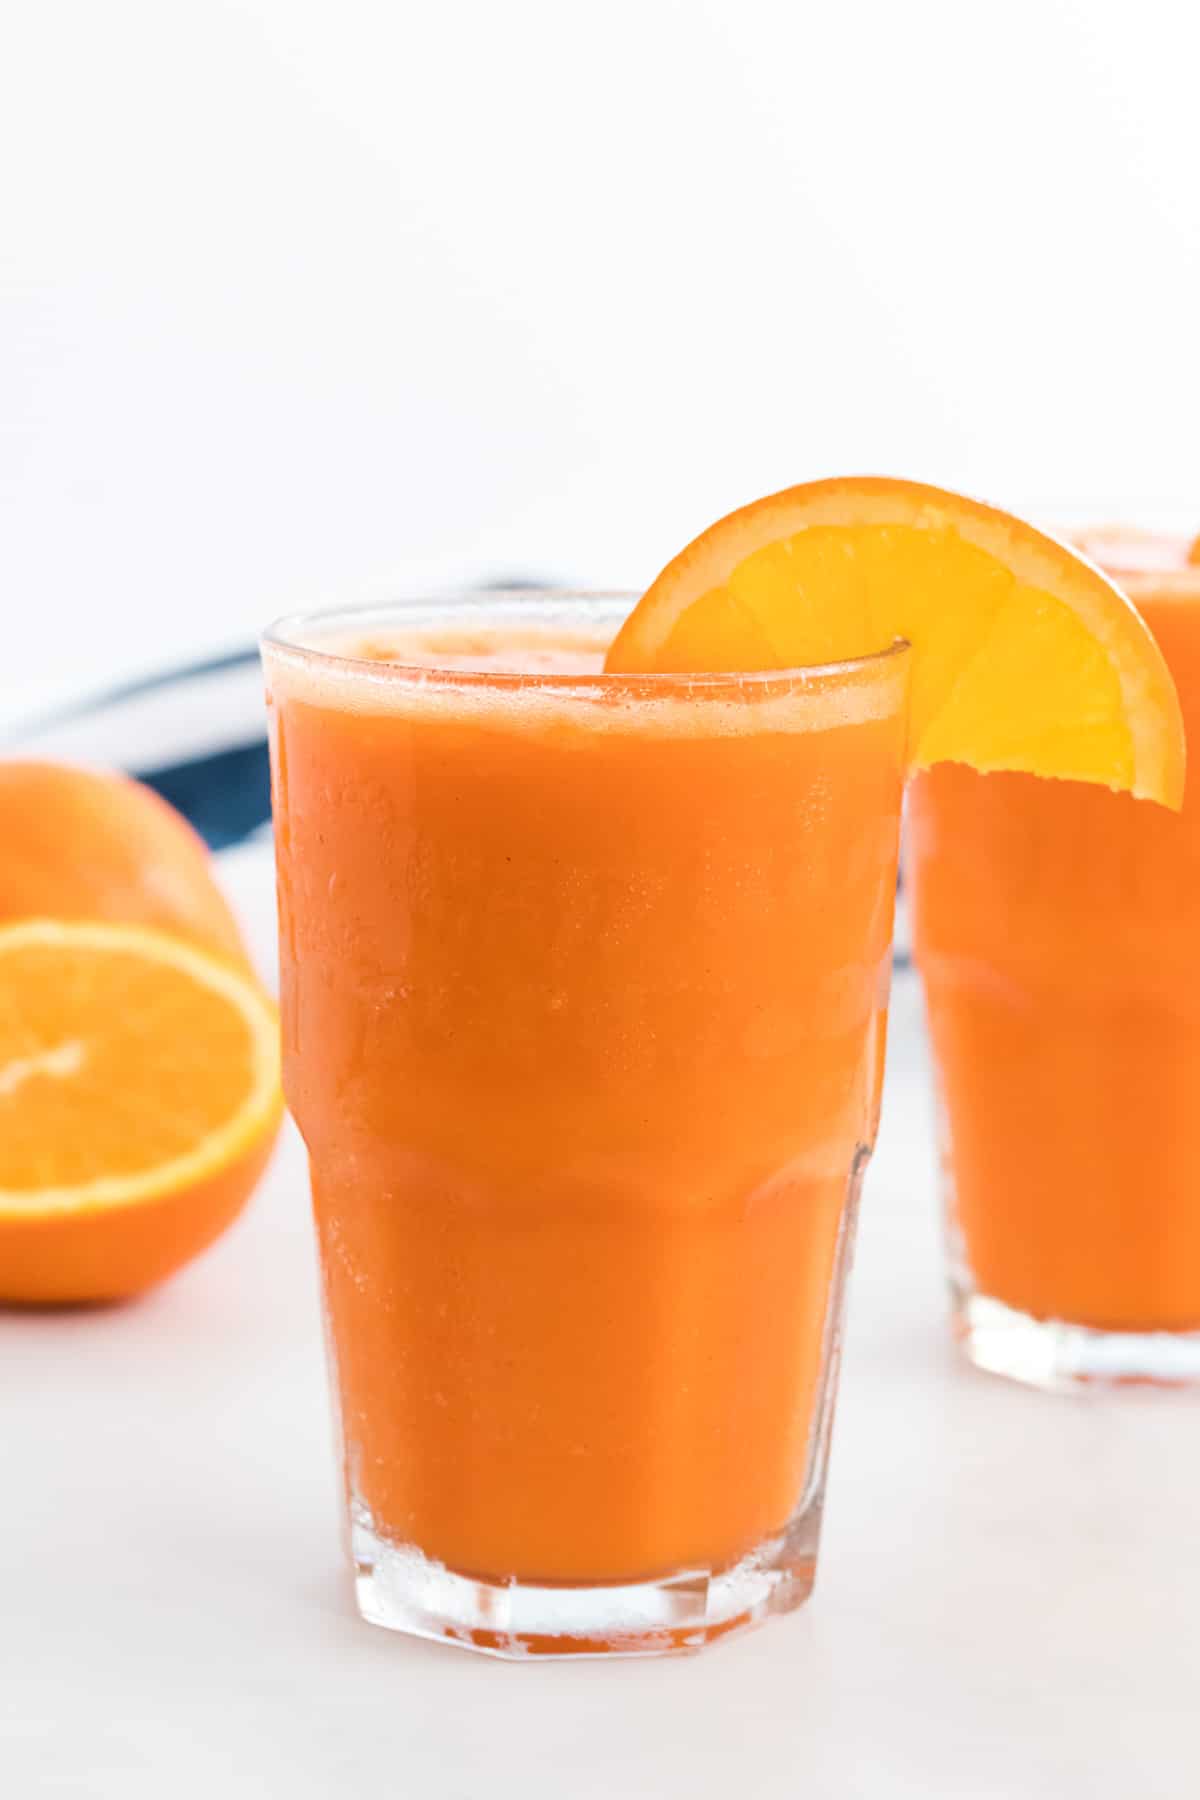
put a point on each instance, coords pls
(139, 1099)
(79, 844)
(1024, 656)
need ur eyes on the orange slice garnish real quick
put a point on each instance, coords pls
(139, 1097)
(1024, 656)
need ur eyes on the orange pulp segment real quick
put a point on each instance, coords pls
(133, 1066)
(1024, 656)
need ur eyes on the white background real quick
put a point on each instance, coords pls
(301, 299)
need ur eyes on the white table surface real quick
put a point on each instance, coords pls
(1008, 1604)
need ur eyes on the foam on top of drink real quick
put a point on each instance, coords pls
(520, 675)
(489, 652)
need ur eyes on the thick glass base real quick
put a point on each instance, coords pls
(399, 1588)
(1049, 1353)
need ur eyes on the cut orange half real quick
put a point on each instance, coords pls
(139, 1098)
(1024, 656)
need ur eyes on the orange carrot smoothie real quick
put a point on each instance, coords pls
(584, 987)
(1057, 928)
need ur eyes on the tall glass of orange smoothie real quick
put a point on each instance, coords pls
(584, 989)
(1057, 928)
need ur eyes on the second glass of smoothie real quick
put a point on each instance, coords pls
(584, 990)
(1057, 930)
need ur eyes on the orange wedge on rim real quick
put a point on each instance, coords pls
(139, 1099)
(1024, 656)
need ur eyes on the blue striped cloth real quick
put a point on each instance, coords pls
(197, 734)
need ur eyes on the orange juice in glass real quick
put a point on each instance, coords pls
(1057, 930)
(584, 989)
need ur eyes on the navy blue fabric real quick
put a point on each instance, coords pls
(226, 796)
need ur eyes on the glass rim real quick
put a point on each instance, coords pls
(282, 637)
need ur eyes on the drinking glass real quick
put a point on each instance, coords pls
(1057, 931)
(584, 993)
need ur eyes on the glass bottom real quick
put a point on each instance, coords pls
(402, 1590)
(1051, 1354)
